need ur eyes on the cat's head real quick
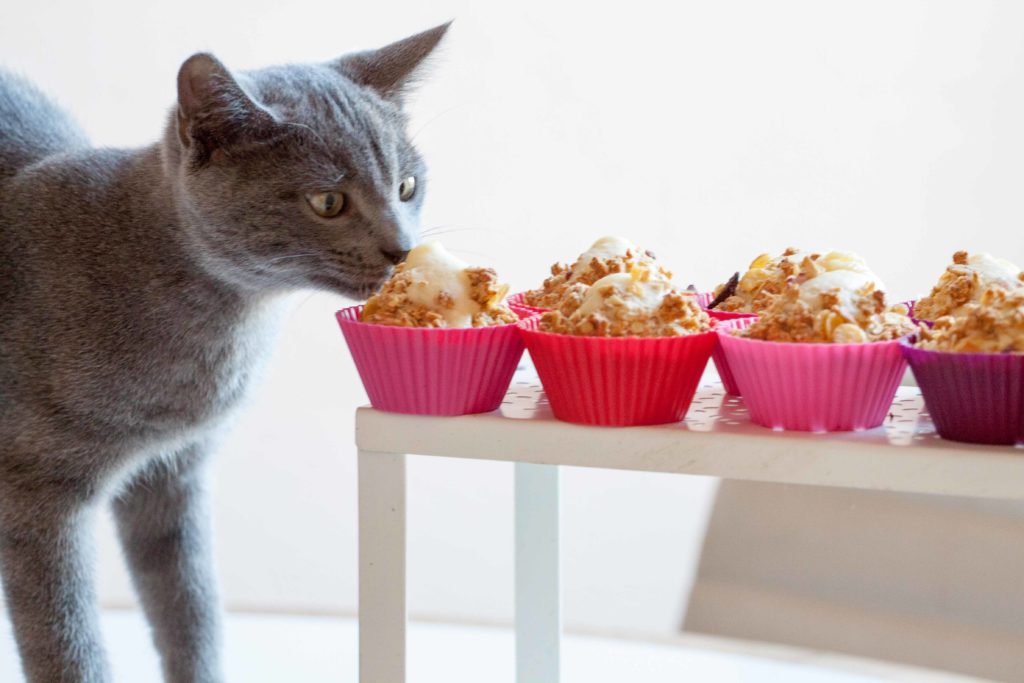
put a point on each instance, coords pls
(300, 176)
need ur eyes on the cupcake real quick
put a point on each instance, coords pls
(437, 339)
(432, 288)
(606, 256)
(747, 295)
(824, 355)
(964, 282)
(630, 351)
(970, 368)
(768, 276)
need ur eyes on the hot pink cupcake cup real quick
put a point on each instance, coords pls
(815, 387)
(735, 321)
(517, 302)
(618, 381)
(432, 371)
(973, 397)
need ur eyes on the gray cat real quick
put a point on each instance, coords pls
(137, 291)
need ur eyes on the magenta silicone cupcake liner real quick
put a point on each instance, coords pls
(975, 397)
(618, 381)
(815, 387)
(432, 371)
(911, 306)
(735, 321)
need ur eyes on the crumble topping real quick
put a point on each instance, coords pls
(606, 256)
(768, 276)
(432, 288)
(993, 324)
(634, 304)
(822, 313)
(965, 281)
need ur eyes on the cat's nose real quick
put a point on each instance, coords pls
(396, 256)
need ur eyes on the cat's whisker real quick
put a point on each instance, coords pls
(481, 254)
(433, 119)
(446, 230)
(302, 303)
(290, 256)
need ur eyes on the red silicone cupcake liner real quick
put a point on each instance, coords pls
(618, 381)
(432, 371)
(815, 387)
(735, 321)
(975, 397)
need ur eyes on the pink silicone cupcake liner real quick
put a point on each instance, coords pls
(735, 321)
(618, 381)
(429, 371)
(518, 301)
(705, 298)
(519, 298)
(975, 397)
(526, 311)
(815, 387)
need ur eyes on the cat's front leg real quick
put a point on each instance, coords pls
(46, 565)
(164, 525)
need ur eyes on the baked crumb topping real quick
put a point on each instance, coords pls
(768, 276)
(392, 305)
(765, 279)
(633, 304)
(994, 324)
(828, 319)
(965, 281)
(565, 280)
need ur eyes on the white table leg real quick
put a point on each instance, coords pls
(382, 610)
(538, 575)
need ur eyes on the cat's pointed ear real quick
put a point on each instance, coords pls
(214, 111)
(393, 69)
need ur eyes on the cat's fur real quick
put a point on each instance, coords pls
(137, 288)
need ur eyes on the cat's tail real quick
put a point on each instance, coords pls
(32, 125)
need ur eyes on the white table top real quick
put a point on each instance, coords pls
(275, 648)
(715, 439)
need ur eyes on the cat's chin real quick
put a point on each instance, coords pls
(353, 288)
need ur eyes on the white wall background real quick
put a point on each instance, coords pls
(708, 132)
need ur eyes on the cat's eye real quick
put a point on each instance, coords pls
(407, 188)
(326, 204)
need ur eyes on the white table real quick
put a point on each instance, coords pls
(271, 648)
(715, 439)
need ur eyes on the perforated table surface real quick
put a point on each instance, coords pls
(716, 439)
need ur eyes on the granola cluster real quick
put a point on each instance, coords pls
(768, 277)
(764, 280)
(632, 304)
(830, 316)
(414, 297)
(607, 256)
(993, 324)
(965, 281)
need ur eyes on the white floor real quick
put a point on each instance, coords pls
(271, 649)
